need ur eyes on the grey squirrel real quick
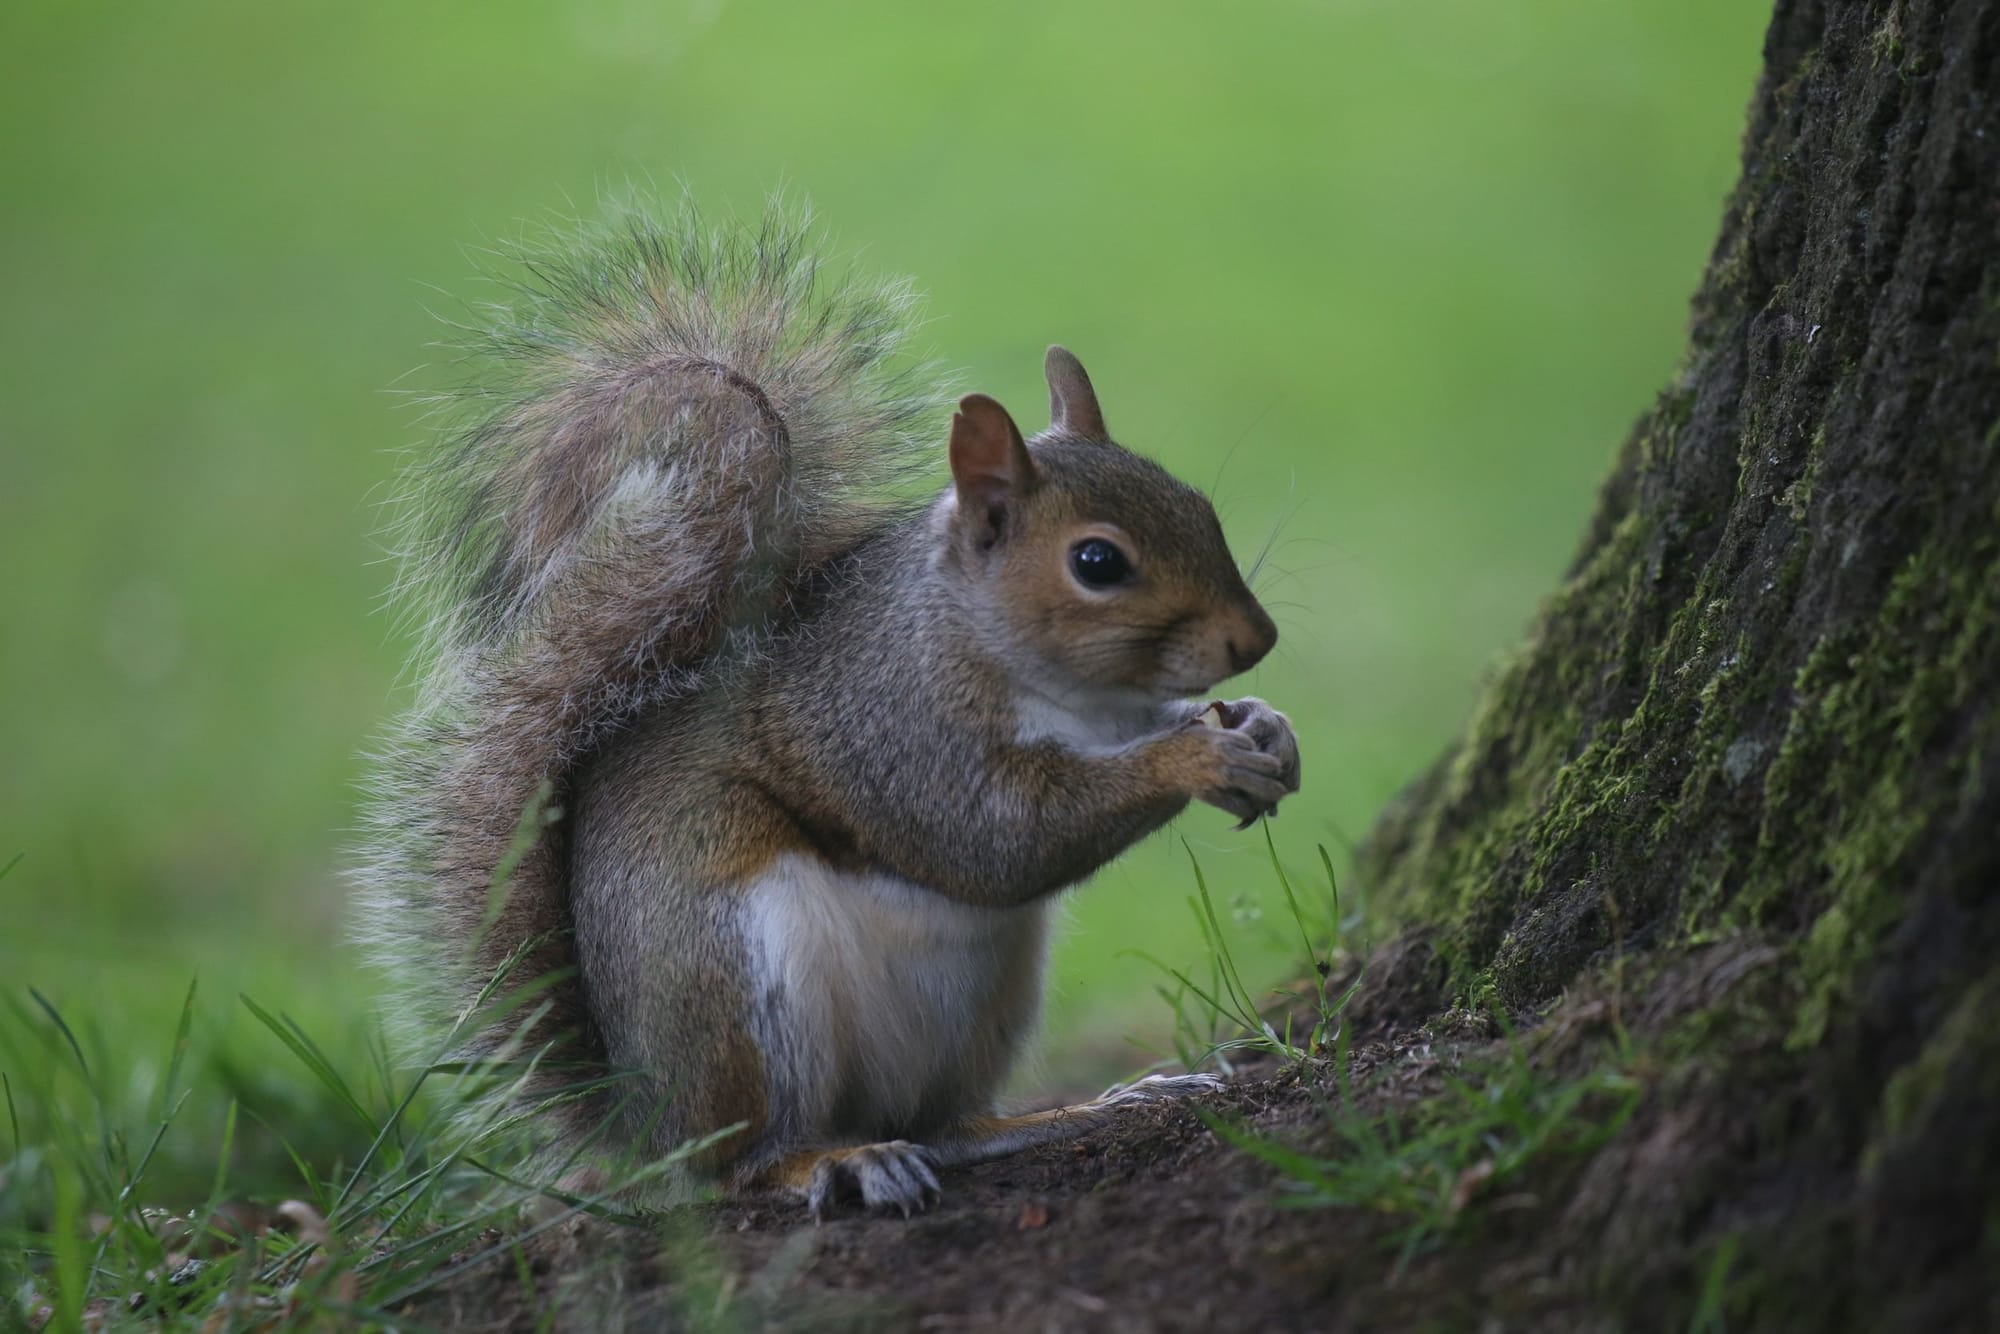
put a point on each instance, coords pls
(752, 779)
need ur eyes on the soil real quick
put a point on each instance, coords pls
(1153, 1224)
(1157, 1224)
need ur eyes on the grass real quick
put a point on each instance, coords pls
(83, 1245)
(1710, 1305)
(1221, 1017)
(1424, 1165)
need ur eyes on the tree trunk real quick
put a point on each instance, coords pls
(1747, 763)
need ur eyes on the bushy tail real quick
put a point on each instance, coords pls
(671, 423)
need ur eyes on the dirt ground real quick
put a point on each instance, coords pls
(1154, 1223)
(1716, 1205)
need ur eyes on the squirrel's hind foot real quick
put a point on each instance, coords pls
(1155, 1088)
(980, 1139)
(895, 1174)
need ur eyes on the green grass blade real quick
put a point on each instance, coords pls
(1291, 900)
(381, 1137)
(222, 1160)
(123, 1210)
(106, 1142)
(527, 833)
(1218, 945)
(314, 1060)
(1332, 888)
(66, 1244)
(1302, 1168)
(654, 1169)
(1215, 1006)
(312, 1182)
(414, 1191)
(62, 1027)
(1708, 1318)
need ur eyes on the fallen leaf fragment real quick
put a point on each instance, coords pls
(1469, 1182)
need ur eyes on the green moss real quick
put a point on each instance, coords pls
(1867, 765)
(1525, 769)
(1886, 45)
(1793, 800)
(1797, 498)
(1965, 1047)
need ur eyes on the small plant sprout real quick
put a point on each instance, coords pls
(1221, 1018)
(1431, 1165)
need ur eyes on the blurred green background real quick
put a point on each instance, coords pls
(1395, 274)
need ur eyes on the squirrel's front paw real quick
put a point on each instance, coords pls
(1256, 756)
(892, 1175)
(1272, 731)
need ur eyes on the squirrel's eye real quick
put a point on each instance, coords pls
(1098, 563)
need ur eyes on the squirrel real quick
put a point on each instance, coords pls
(750, 775)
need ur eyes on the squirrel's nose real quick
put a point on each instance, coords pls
(1252, 640)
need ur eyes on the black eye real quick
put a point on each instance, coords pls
(1098, 563)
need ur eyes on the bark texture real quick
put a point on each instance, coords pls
(1759, 723)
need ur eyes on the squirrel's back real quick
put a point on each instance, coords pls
(672, 424)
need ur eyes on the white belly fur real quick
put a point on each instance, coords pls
(885, 1008)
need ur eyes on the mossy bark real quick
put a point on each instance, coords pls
(1765, 704)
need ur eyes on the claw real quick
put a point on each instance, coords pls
(892, 1175)
(931, 1187)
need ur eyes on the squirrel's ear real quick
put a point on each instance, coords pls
(1073, 406)
(989, 462)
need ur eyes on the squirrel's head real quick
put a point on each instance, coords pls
(1103, 566)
